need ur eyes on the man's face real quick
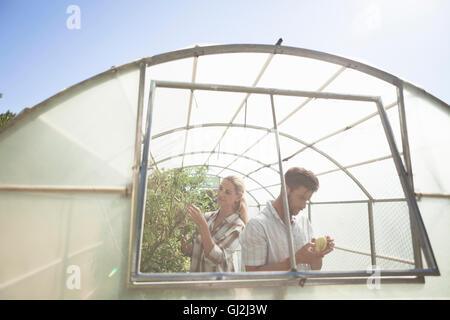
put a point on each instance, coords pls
(297, 199)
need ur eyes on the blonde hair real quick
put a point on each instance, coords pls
(239, 187)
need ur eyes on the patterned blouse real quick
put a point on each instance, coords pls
(225, 256)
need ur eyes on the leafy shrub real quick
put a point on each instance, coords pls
(166, 222)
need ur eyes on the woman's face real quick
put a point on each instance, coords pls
(226, 195)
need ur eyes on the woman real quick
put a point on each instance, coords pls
(217, 248)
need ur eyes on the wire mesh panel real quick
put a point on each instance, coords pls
(348, 225)
(393, 238)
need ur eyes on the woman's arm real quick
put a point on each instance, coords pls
(196, 215)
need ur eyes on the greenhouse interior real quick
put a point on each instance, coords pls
(82, 171)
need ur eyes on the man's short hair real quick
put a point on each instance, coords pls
(296, 177)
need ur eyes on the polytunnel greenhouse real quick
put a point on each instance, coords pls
(75, 168)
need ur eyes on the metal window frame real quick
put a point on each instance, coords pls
(152, 280)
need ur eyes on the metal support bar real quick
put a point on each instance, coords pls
(407, 189)
(407, 158)
(142, 191)
(432, 195)
(266, 278)
(377, 256)
(309, 211)
(133, 245)
(269, 91)
(287, 216)
(373, 255)
(65, 189)
(360, 201)
(404, 134)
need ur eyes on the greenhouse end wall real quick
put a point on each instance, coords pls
(67, 171)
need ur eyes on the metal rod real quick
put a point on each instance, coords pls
(274, 282)
(287, 215)
(142, 191)
(309, 211)
(432, 195)
(404, 134)
(64, 189)
(359, 201)
(407, 189)
(249, 277)
(269, 91)
(140, 111)
(378, 256)
(373, 255)
(409, 173)
(133, 245)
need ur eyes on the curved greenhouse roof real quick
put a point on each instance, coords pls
(213, 106)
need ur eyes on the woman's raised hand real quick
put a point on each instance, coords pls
(196, 215)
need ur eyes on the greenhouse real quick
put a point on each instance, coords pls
(75, 176)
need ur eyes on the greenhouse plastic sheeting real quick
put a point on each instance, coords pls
(84, 137)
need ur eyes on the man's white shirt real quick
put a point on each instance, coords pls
(264, 239)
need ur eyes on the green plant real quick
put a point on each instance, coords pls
(166, 223)
(6, 117)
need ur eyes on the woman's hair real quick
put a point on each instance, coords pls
(239, 187)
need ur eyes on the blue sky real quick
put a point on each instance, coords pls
(39, 55)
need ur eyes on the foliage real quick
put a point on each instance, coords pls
(166, 223)
(5, 117)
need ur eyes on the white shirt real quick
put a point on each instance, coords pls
(264, 239)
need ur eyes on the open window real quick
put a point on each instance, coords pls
(215, 121)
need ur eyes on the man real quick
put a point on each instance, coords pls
(264, 239)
